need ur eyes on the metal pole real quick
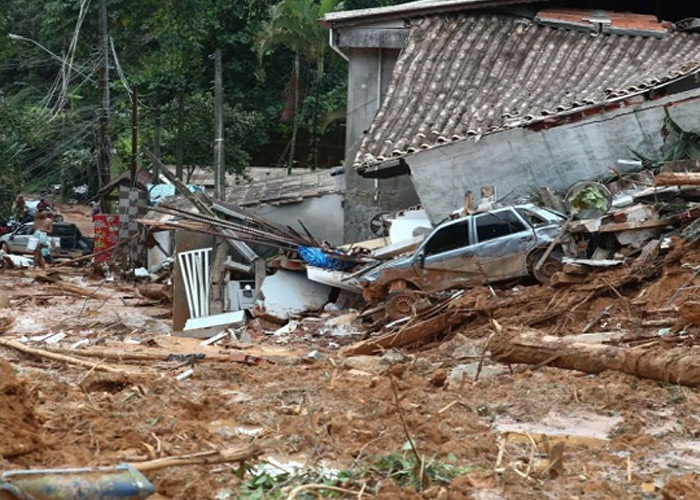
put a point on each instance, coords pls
(103, 147)
(219, 172)
(134, 133)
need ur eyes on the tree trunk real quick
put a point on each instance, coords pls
(179, 147)
(295, 128)
(674, 365)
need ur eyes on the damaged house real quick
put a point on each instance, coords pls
(448, 96)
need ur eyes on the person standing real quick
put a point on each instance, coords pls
(43, 225)
(20, 207)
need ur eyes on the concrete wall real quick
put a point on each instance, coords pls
(323, 216)
(369, 74)
(517, 161)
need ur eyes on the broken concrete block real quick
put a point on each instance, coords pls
(636, 239)
(468, 371)
(236, 318)
(567, 279)
(287, 293)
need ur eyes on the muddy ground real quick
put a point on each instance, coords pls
(623, 437)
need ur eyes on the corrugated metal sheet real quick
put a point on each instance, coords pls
(605, 21)
(291, 189)
(469, 75)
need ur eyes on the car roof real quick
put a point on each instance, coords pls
(497, 209)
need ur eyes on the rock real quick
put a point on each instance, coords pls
(314, 356)
(690, 311)
(468, 371)
(340, 326)
(393, 357)
(363, 363)
(438, 378)
(462, 347)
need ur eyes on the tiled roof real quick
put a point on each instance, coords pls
(474, 74)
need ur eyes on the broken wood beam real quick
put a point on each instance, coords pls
(240, 246)
(408, 335)
(676, 365)
(204, 458)
(643, 224)
(677, 179)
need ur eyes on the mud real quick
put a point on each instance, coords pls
(21, 429)
(623, 437)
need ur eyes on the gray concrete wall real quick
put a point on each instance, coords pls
(323, 216)
(517, 161)
(369, 74)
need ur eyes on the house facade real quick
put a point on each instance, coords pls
(510, 94)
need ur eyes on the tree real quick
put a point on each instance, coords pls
(294, 25)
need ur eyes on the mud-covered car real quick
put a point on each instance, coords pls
(497, 245)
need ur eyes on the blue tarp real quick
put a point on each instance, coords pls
(157, 192)
(318, 258)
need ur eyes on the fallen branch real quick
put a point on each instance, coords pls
(55, 282)
(204, 458)
(675, 365)
(162, 356)
(40, 353)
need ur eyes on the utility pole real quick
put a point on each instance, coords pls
(219, 172)
(103, 147)
(134, 133)
(156, 143)
(180, 148)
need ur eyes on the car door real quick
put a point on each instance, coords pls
(447, 260)
(20, 238)
(503, 240)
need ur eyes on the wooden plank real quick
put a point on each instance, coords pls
(408, 335)
(678, 179)
(645, 224)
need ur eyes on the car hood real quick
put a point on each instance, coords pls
(372, 274)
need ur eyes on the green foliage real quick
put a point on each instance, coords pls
(399, 467)
(589, 198)
(368, 4)
(164, 50)
(680, 144)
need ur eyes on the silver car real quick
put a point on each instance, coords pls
(482, 248)
(17, 241)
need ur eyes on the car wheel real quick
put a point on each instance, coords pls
(5, 247)
(551, 266)
(400, 304)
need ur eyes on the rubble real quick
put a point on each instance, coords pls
(613, 334)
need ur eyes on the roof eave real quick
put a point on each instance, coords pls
(339, 19)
